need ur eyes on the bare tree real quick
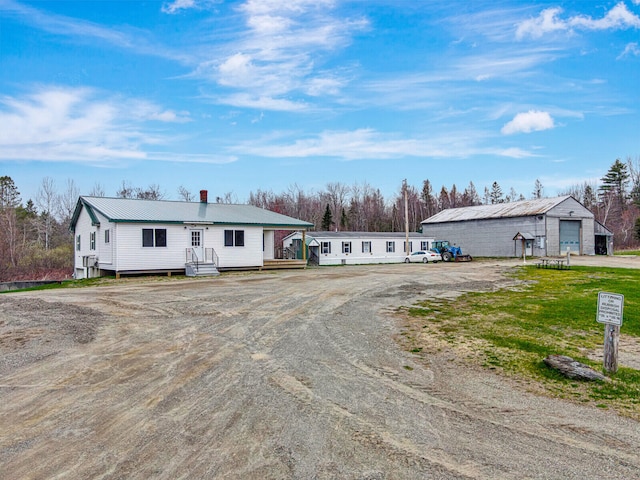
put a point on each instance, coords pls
(97, 190)
(337, 194)
(470, 196)
(126, 190)
(46, 198)
(228, 197)
(66, 202)
(185, 195)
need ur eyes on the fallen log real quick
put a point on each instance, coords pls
(571, 368)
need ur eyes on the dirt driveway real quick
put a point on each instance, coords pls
(287, 375)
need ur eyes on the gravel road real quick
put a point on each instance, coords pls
(275, 375)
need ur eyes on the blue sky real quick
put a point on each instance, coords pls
(236, 96)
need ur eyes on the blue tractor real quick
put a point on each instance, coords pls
(449, 252)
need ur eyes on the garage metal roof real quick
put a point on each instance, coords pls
(162, 211)
(524, 208)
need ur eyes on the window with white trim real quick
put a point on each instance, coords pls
(424, 246)
(346, 247)
(107, 236)
(78, 244)
(410, 246)
(366, 247)
(92, 241)
(325, 247)
(234, 238)
(154, 237)
(391, 247)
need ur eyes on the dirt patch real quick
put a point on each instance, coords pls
(282, 375)
(33, 329)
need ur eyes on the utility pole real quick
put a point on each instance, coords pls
(406, 217)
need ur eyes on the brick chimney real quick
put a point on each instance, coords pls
(203, 196)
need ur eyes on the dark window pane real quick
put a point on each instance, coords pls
(161, 237)
(147, 237)
(239, 238)
(228, 238)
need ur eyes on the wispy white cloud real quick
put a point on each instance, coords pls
(370, 144)
(549, 20)
(85, 31)
(80, 125)
(631, 49)
(177, 5)
(276, 59)
(531, 121)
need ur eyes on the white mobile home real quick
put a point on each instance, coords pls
(342, 248)
(547, 226)
(125, 236)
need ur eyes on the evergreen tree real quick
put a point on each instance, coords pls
(9, 194)
(538, 192)
(615, 183)
(428, 199)
(470, 196)
(327, 219)
(495, 196)
(343, 220)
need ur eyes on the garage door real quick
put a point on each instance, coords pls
(570, 236)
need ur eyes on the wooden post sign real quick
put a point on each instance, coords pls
(610, 308)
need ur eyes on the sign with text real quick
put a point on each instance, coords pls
(610, 307)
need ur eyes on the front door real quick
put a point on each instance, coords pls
(528, 247)
(197, 242)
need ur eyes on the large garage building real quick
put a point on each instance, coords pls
(542, 227)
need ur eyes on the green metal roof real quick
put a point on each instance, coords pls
(162, 211)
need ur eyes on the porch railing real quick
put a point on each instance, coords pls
(210, 256)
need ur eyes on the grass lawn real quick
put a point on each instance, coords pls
(551, 312)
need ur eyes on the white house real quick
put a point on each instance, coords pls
(126, 236)
(342, 248)
(546, 226)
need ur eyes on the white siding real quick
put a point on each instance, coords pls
(105, 250)
(84, 229)
(250, 255)
(132, 256)
(269, 245)
(378, 252)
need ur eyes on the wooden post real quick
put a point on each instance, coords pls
(304, 245)
(406, 218)
(611, 340)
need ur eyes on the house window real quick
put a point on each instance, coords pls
(195, 238)
(161, 237)
(234, 238)
(325, 247)
(154, 237)
(424, 245)
(239, 237)
(410, 246)
(92, 241)
(391, 247)
(366, 247)
(78, 243)
(346, 247)
(107, 236)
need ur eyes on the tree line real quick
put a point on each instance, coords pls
(35, 241)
